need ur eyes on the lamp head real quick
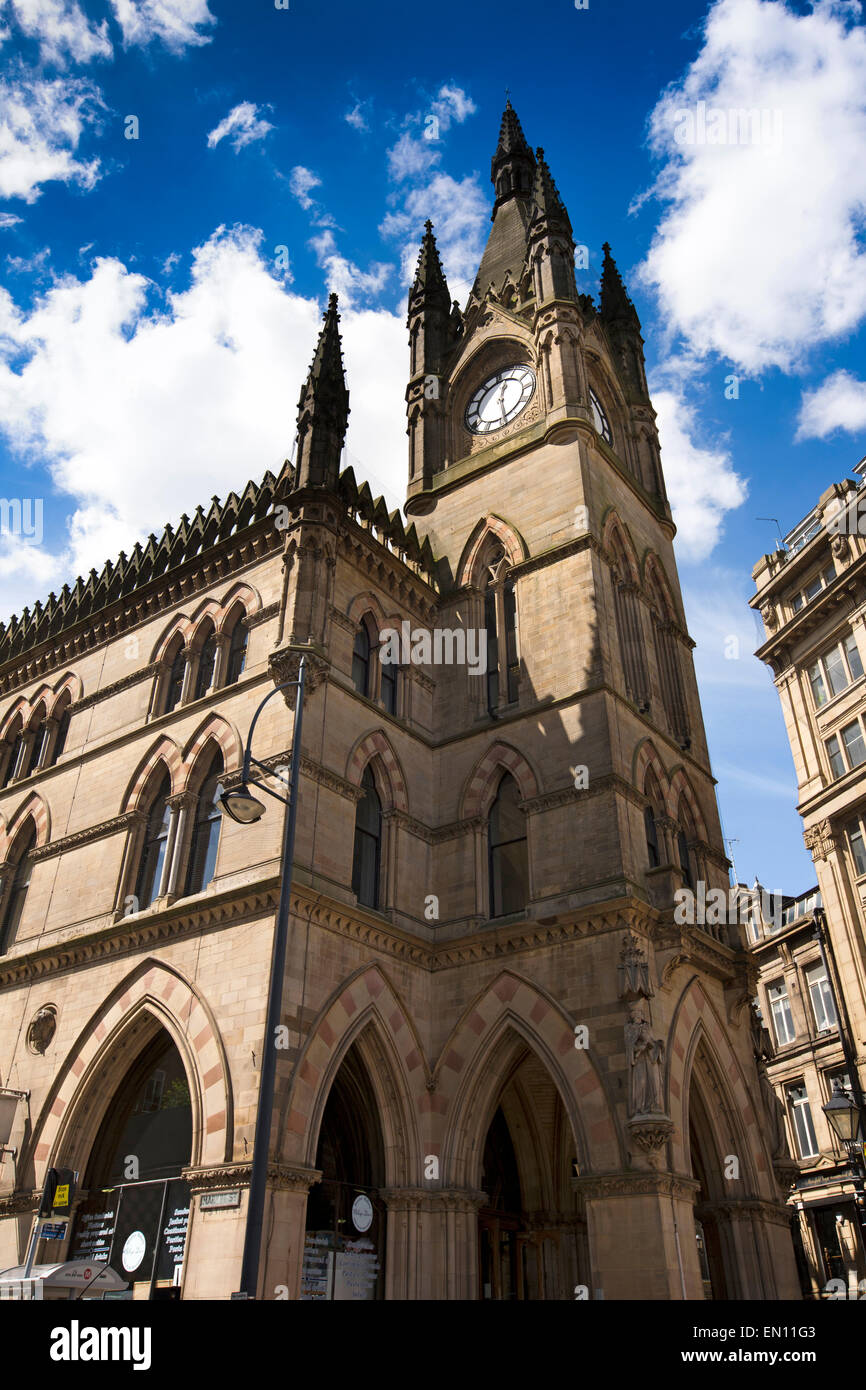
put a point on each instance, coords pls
(242, 806)
(843, 1115)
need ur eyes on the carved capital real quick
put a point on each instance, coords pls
(651, 1133)
(285, 664)
(820, 840)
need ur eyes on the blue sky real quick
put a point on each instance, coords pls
(161, 294)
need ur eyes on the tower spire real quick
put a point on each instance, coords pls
(323, 408)
(429, 285)
(547, 203)
(513, 165)
(615, 303)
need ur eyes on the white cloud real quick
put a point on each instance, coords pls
(8, 219)
(839, 403)
(757, 255)
(412, 156)
(460, 213)
(243, 124)
(176, 23)
(41, 125)
(301, 180)
(342, 276)
(357, 116)
(701, 482)
(142, 407)
(62, 29)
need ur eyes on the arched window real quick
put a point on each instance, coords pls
(500, 623)
(668, 659)
(685, 859)
(13, 756)
(206, 831)
(509, 857)
(368, 843)
(652, 837)
(174, 688)
(17, 894)
(39, 750)
(32, 747)
(150, 873)
(237, 654)
(206, 663)
(390, 678)
(62, 733)
(629, 628)
(361, 664)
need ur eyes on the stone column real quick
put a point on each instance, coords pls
(641, 1230)
(403, 1248)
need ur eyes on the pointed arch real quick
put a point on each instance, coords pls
(658, 588)
(181, 627)
(164, 751)
(20, 710)
(215, 729)
(480, 787)
(738, 1127)
(645, 759)
(367, 1010)
(152, 994)
(475, 1060)
(68, 688)
(617, 542)
(241, 594)
(33, 808)
(37, 714)
(377, 749)
(509, 538)
(681, 788)
(367, 602)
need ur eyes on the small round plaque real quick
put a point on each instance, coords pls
(362, 1212)
(42, 1028)
(133, 1251)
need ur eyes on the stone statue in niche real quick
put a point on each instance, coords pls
(633, 971)
(645, 1057)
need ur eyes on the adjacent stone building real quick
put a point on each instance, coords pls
(507, 1072)
(811, 594)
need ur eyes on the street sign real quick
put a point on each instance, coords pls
(53, 1230)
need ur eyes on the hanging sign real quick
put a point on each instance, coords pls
(362, 1212)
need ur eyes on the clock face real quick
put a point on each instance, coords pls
(500, 399)
(599, 418)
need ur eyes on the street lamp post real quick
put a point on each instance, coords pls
(243, 807)
(843, 1116)
(845, 1113)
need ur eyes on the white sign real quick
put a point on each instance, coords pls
(133, 1251)
(362, 1213)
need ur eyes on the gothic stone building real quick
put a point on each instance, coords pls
(507, 1071)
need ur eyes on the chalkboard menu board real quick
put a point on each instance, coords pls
(174, 1228)
(122, 1228)
(337, 1268)
(94, 1229)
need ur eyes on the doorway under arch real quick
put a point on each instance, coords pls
(706, 1168)
(344, 1245)
(532, 1240)
(135, 1214)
